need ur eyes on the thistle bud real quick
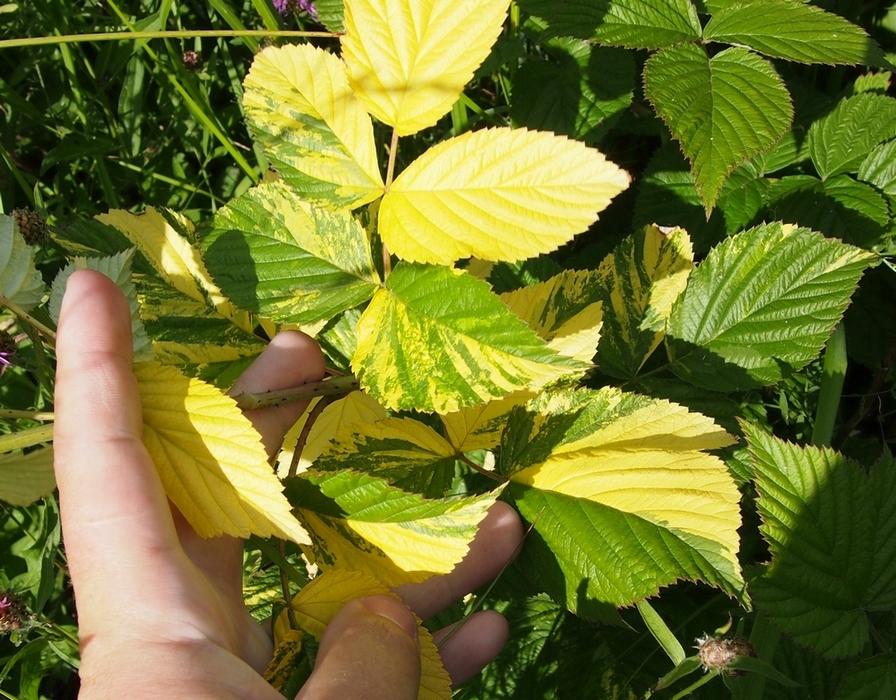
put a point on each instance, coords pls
(717, 654)
(14, 614)
(32, 226)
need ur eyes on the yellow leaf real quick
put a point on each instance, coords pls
(210, 459)
(26, 477)
(564, 310)
(174, 257)
(286, 658)
(497, 194)
(357, 407)
(315, 131)
(409, 61)
(480, 427)
(315, 606)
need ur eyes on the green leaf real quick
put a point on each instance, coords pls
(879, 168)
(360, 522)
(20, 282)
(832, 534)
(640, 280)
(118, 269)
(581, 92)
(637, 24)
(842, 139)
(437, 339)
(300, 108)
(24, 478)
(277, 255)
(760, 305)
(330, 14)
(796, 31)
(722, 110)
(405, 452)
(873, 679)
(598, 473)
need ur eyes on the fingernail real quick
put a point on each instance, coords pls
(393, 610)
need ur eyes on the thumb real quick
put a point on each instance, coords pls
(369, 650)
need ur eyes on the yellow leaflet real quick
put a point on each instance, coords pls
(26, 477)
(409, 61)
(316, 605)
(285, 660)
(174, 258)
(564, 311)
(301, 96)
(210, 459)
(355, 408)
(480, 427)
(498, 194)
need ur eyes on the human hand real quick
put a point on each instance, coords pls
(160, 610)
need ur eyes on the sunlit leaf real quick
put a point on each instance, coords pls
(599, 473)
(640, 280)
(408, 62)
(879, 168)
(210, 459)
(360, 522)
(279, 256)
(117, 268)
(761, 304)
(315, 606)
(164, 240)
(793, 30)
(722, 110)
(437, 339)
(316, 133)
(480, 427)
(566, 311)
(831, 529)
(26, 477)
(20, 282)
(498, 194)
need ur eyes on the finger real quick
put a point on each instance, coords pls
(370, 650)
(113, 507)
(469, 645)
(290, 360)
(497, 542)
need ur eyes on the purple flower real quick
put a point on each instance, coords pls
(7, 352)
(284, 7)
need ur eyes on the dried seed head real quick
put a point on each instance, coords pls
(32, 226)
(717, 654)
(192, 60)
(13, 613)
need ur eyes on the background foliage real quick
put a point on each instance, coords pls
(128, 124)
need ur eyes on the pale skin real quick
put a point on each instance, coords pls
(160, 610)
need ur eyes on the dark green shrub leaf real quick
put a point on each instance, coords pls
(796, 31)
(722, 111)
(879, 168)
(870, 680)
(831, 530)
(276, 255)
(761, 304)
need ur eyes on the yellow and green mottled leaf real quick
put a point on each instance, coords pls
(20, 282)
(407, 453)
(287, 657)
(210, 459)
(361, 522)
(278, 255)
(315, 606)
(162, 240)
(26, 477)
(641, 279)
(186, 331)
(604, 472)
(566, 311)
(497, 194)
(480, 427)
(409, 62)
(437, 339)
(336, 418)
(315, 132)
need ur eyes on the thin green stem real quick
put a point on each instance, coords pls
(27, 415)
(337, 386)
(28, 318)
(26, 438)
(390, 173)
(485, 472)
(832, 376)
(161, 34)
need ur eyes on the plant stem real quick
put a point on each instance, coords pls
(297, 449)
(390, 173)
(26, 438)
(27, 415)
(833, 374)
(163, 34)
(485, 472)
(28, 318)
(337, 386)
